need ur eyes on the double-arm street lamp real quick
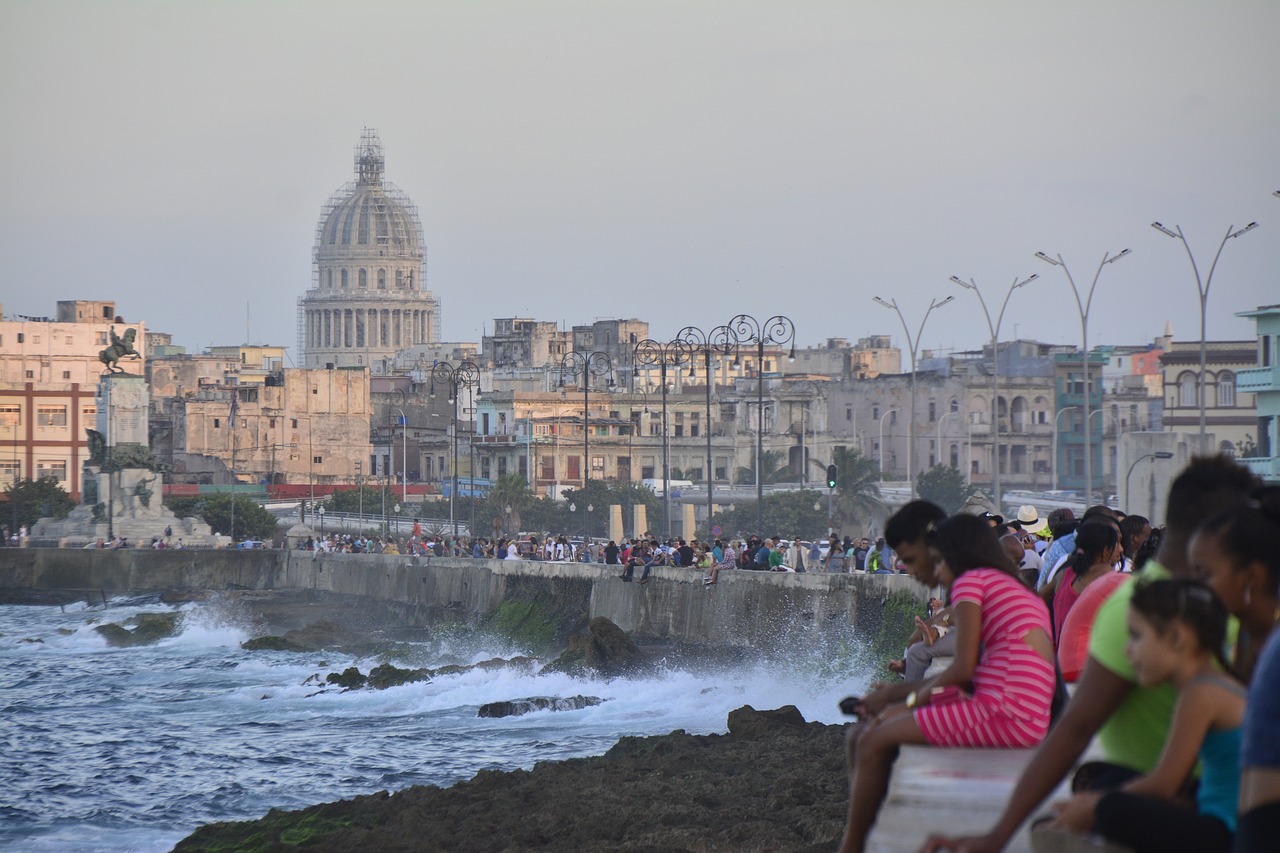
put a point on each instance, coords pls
(1083, 306)
(1159, 454)
(718, 342)
(914, 344)
(994, 328)
(652, 353)
(463, 375)
(747, 330)
(1202, 288)
(587, 364)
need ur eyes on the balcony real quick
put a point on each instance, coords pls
(1258, 379)
(1266, 467)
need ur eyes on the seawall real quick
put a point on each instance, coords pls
(760, 610)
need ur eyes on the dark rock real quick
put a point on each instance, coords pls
(385, 675)
(517, 707)
(273, 644)
(605, 649)
(320, 635)
(149, 628)
(349, 679)
(677, 792)
(747, 722)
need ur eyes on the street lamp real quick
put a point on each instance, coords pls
(914, 345)
(674, 353)
(1202, 288)
(320, 509)
(748, 330)
(1083, 307)
(464, 375)
(588, 364)
(404, 454)
(719, 341)
(1159, 454)
(995, 374)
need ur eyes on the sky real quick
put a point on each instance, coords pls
(676, 162)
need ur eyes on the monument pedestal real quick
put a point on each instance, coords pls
(123, 481)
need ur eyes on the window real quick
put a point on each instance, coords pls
(955, 405)
(89, 412)
(1187, 390)
(31, 374)
(875, 412)
(317, 460)
(10, 414)
(1226, 389)
(344, 278)
(364, 278)
(547, 468)
(51, 416)
(382, 279)
(217, 423)
(848, 413)
(893, 417)
(295, 422)
(597, 466)
(9, 471)
(21, 337)
(574, 467)
(933, 411)
(55, 468)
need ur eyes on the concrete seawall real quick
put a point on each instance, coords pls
(759, 610)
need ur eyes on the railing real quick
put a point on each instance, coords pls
(1256, 379)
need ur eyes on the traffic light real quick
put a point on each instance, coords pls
(832, 472)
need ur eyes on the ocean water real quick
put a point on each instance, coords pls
(108, 749)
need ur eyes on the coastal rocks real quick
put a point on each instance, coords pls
(273, 644)
(386, 675)
(605, 649)
(674, 792)
(148, 628)
(317, 635)
(517, 707)
(747, 722)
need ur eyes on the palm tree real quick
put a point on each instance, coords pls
(510, 490)
(773, 469)
(857, 492)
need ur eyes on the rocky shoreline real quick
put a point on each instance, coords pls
(774, 782)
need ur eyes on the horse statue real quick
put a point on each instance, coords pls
(120, 348)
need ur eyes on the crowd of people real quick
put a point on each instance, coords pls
(1167, 634)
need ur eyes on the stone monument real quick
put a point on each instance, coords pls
(123, 481)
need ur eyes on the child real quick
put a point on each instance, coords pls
(1176, 631)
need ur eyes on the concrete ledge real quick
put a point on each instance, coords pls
(950, 792)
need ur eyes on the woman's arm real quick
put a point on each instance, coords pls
(1192, 717)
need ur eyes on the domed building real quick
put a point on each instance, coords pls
(368, 295)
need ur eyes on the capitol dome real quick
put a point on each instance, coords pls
(370, 216)
(368, 297)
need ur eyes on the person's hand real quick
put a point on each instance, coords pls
(898, 666)
(928, 632)
(936, 604)
(874, 703)
(968, 844)
(1076, 814)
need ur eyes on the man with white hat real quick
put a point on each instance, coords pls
(1030, 523)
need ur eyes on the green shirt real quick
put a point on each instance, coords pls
(1135, 734)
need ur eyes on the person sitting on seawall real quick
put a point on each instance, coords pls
(1177, 629)
(778, 558)
(1130, 720)
(1003, 648)
(1098, 549)
(932, 638)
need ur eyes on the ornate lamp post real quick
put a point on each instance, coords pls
(995, 376)
(1083, 307)
(914, 344)
(718, 342)
(1202, 288)
(588, 364)
(748, 330)
(464, 375)
(673, 353)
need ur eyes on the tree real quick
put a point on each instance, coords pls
(773, 469)
(252, 521)
(31, 500)
(352, 501)
(857, 501)
(786, 514)
(509, 490)
(945, 486)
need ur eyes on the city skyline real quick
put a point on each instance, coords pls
(678, 165)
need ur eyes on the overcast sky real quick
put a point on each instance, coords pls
(677, 162)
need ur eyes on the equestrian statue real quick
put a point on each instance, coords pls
(120, 348)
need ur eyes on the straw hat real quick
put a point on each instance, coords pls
(1030, 519)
